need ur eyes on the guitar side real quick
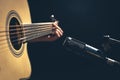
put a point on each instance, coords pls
(14, 64)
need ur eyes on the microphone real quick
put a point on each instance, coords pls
(77, 46)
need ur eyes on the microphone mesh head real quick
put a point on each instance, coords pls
(73, 45)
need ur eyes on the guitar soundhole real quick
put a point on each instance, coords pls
(16, 33)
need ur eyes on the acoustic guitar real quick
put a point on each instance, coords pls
(16, 30)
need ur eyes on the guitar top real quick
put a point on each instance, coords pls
(14, 60)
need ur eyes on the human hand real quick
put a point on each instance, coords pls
(56, 34)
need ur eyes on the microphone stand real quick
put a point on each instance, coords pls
(108, 39)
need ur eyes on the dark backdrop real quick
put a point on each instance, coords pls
(85, 20)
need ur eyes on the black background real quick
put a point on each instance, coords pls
(85, 20)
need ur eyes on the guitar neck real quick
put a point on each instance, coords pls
(36, 30)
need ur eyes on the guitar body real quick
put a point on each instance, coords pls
(14, 60)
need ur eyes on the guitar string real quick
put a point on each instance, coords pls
(25, 31)
(28, 37)
(29, 25)
(15, 42)
(26, 27)
(25, 38)
(27, 34)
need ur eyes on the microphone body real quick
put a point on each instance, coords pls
(77, 46)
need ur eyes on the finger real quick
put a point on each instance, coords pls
(56, 22)
(57, 33)
(57, 27)
(60, 33)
